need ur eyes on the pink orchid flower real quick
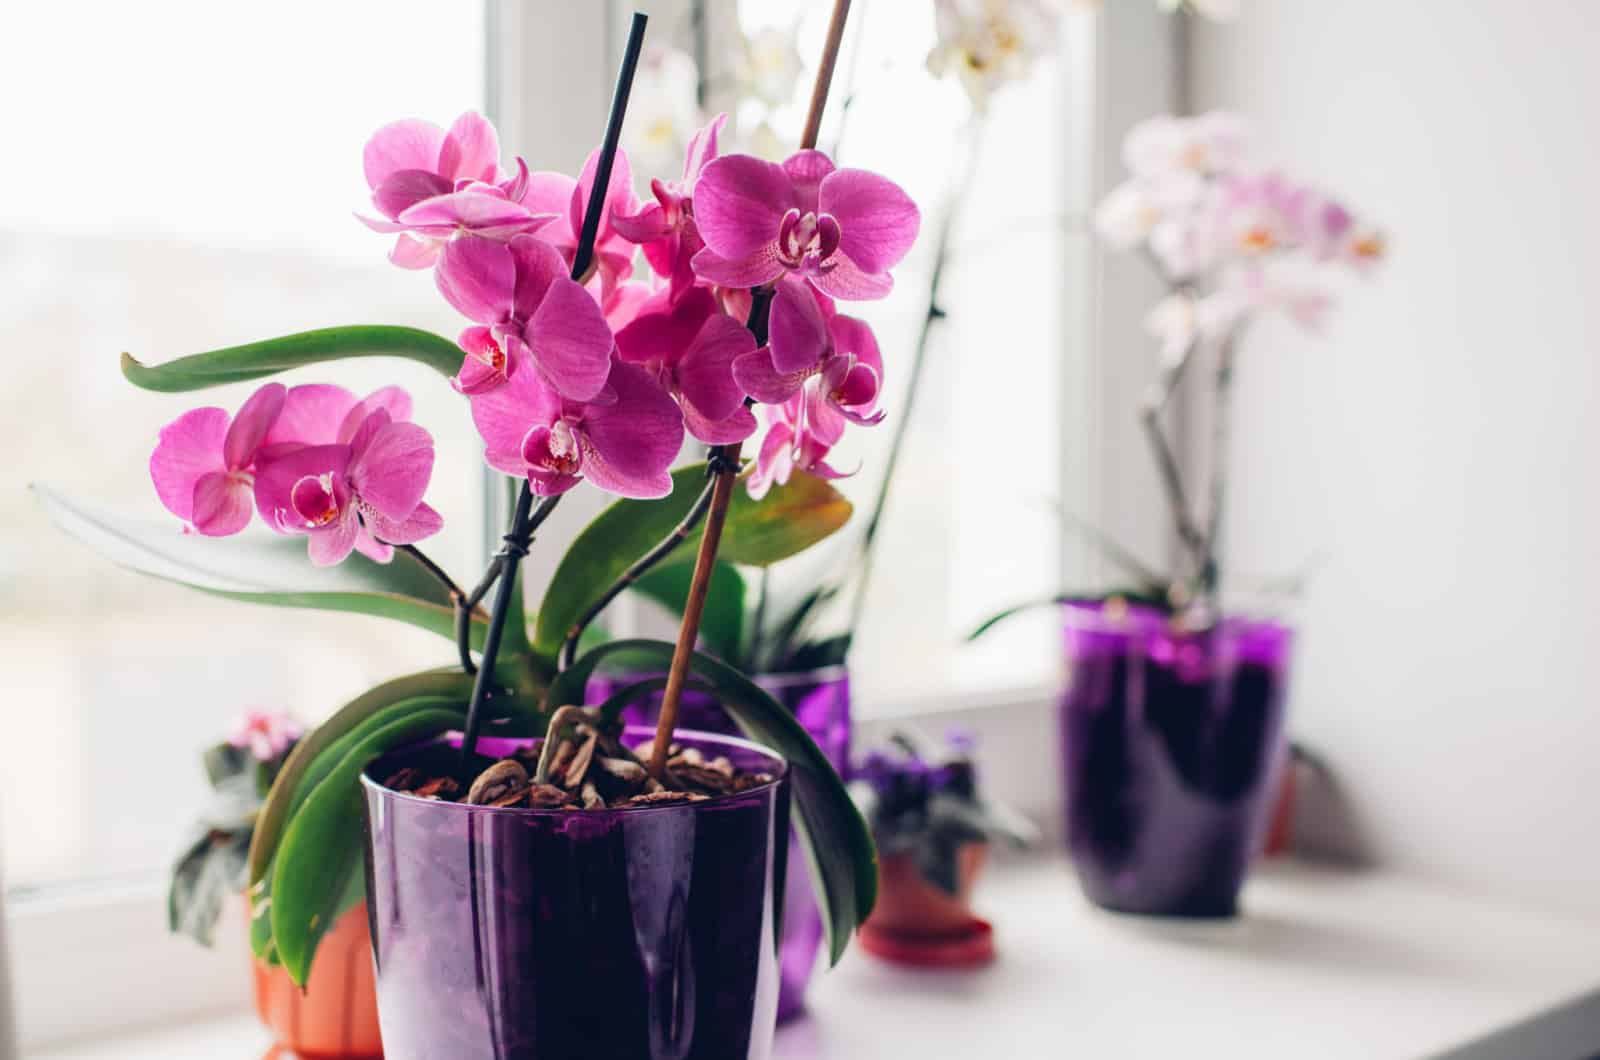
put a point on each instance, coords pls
(568, 200)
(665, 228)
(625, 446)
(800, 433)
(365, 494)
(532, 313)
(205, 464)
(840, 229)
(429, 184)
(266, 734)
(810, 343)
(690, 349)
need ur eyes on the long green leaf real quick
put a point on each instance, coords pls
(837, 842)
(789, 519)
(321, 849)
(260, 568)
(722, 623)
(281, 800)
(1136, 596)
(255, 360)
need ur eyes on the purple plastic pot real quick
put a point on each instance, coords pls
(1172, 743)
(521, 934)
(820, 699)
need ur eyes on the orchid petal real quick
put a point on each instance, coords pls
(403, 190)
(312, 414)
(705, 370)
(221, 503)
(797, 331)
(662, 332)
(410, 252)
(846, 280)
(250, 426)
(646, 226)
(504, 415)
(471, 149)
(423, 522)
(760, 267)
(275, 482)
(570, 340)
(390, 465)
(878, 222)
(756, 376)
(334, 543)
(190, 447)
(734, 428)
(739, 202)
(538, 265)
(632, 444)
(478, 277)
(410, 144)
(807, 169)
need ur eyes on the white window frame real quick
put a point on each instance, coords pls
(96, 961)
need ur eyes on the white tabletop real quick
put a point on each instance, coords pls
(1325, 963)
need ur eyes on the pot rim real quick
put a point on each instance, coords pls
(780, 774)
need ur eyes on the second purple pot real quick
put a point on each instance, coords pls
(1172, 742)
(820, 701)
(647, 933)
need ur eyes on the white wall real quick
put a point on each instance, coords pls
(1440, 444)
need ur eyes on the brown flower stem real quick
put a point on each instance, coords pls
(724, 462)
(438, 572)
(524, 520)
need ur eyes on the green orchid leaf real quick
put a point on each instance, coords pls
(788, 519)
(262, 568)
(835, 838)
(722, 622)
(320, 851)
(290, 789)
(256, 360)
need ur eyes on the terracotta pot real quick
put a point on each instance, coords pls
(909, 905)
(336, 1016)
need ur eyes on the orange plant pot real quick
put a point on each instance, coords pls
(336, 1016)
(916, 923)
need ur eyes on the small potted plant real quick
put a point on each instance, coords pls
(336, 1015)
(541, 880)
(1172, 723)
(932, 830)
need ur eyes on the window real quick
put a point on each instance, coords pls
(162, 213)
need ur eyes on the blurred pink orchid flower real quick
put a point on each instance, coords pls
(266, 734)
(204, 465)
(365, 494)
(624, 446)
(530, 311)
(430, 183)
(840, 229)
(810, 343)
(690, 349)
(665, 228)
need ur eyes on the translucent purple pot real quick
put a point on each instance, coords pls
(820, 699)
(1172, 744)
(521, 934)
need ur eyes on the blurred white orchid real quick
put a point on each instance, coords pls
(987, 43)
(664, 112)
(769, 66)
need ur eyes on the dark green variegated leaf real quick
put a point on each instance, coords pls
(256, 360)
(788, 519)
(722, 622)
(320, 852)
(838, 845)
(261, 568)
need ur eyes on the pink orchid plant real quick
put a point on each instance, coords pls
(573, 368)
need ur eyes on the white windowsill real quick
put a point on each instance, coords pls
(1326, 963)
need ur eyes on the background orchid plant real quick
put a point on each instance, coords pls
(1236, 240)
(574, 365)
